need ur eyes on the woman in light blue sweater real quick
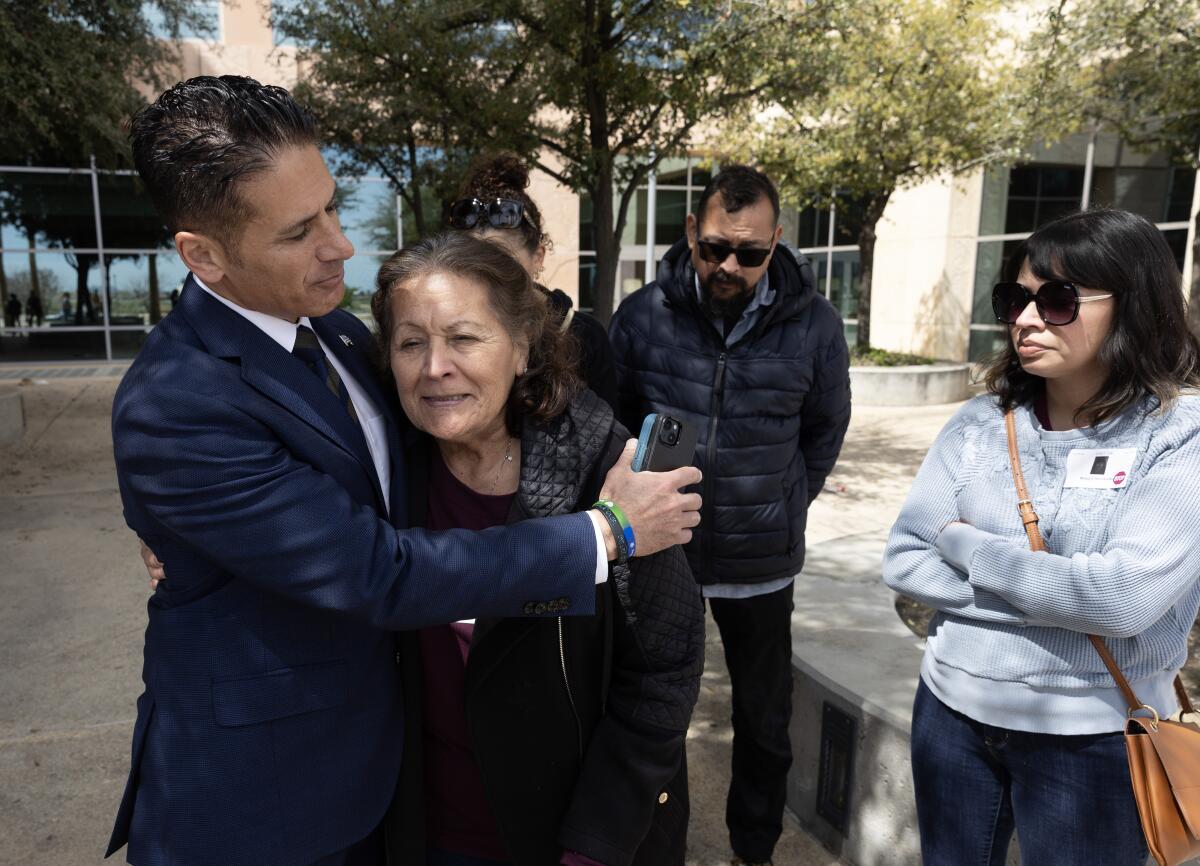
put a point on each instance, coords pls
(1017, 723)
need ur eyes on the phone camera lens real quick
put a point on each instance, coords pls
(670, 432)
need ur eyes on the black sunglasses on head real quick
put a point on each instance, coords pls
(1057, 302)
(747, 257)
(499, 213)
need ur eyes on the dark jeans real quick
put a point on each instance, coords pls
(757, 635)
(1069, 797)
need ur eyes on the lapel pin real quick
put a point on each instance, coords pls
(346, 340)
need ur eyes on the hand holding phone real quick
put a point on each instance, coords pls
(665, 443)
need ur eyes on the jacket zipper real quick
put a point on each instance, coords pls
(562, 657)
(711, 458)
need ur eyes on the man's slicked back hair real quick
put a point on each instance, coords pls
(740, 186)
(193, 144)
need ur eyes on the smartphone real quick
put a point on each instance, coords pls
(665, 443)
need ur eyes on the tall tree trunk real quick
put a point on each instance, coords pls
(608, 248)
(83, 264)
(3, 284)
(34, 282)
(155, 301)
(414, 197)
(866, 257)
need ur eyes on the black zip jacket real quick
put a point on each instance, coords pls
(578, 723)
(772, 408)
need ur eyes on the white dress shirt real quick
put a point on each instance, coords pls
(373, 425)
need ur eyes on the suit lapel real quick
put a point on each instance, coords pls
(272, 371)
(358, 363)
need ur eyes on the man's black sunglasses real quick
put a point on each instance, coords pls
(1057, 302)
(747, 257)
(499, 213)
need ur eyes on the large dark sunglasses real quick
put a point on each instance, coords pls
(747, 257)
(499, 213)
(1057, 302)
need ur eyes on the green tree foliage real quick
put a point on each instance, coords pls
(595, 93)
(1136, 68)
(905, 91)
(70, 70)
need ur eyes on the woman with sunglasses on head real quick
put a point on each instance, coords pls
(1017, 722)
(495, 206)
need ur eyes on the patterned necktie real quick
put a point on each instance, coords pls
(308, 350)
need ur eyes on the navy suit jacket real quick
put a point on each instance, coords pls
(270, 730)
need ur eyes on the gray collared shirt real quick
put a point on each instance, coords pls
(764, 296)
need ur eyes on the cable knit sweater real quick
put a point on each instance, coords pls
(1007, 646)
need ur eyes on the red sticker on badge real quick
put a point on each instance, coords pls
(1119, 479)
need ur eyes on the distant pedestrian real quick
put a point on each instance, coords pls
(66, 307)
(1018, 724)
(174, 297)
(33, 310)
(12, 312)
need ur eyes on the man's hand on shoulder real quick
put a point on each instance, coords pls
(661, 516)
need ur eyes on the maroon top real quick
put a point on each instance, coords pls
(457, 815)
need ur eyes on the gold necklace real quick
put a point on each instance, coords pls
(503, 463)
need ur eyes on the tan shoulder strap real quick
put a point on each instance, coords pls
(1030, 520)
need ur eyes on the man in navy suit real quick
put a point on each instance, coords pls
(259, 457)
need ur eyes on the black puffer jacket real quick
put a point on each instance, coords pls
(577, 723)
(772, 408)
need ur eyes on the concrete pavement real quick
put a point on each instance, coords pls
(72, 595)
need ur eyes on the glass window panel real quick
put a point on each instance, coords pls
(1061, 182)
(587, 283)
(850, 329)
(1179, 196)
(813, 228)
(128, 216)
(1020, 215)
(701, 174)
(46, 340)
(587, 223)
(1023, 181)
(670, 216)
(143, 288)
(1177, 241)
(985, 343)
(635, 219)
(631, 276)
(843, 288)
(848, 220)
(989, 264)
(1141, 190)
(53, 209)
(992, 212)
(367, 210)
(672, 172)
(360, 283)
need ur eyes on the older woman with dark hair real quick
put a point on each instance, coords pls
(535, 741)
(1018, 723)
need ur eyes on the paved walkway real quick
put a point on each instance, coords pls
(72, 592)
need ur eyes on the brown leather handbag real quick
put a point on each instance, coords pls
(1164, 755)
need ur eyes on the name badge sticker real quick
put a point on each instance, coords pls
(1099, 468)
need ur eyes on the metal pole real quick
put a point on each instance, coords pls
(651, 194)
(829, 246)
(1088, 166)
(103, 265)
